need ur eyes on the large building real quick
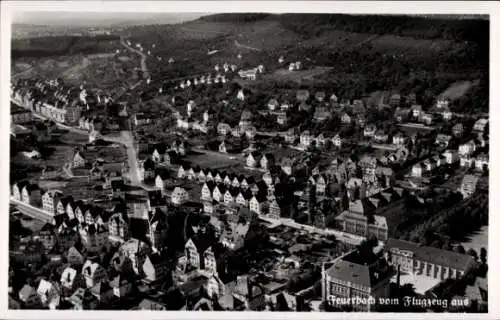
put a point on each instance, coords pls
(355, 281)
(360, 221)
(413, 258)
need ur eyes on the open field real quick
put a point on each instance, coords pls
(297, 76)
(457, 90)
(213, 160)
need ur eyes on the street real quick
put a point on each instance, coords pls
(34, 212)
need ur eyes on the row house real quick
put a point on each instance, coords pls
(27, 193)
(118, 227)
(195, 259)
(93, 237)
(319, 182)
(259, 203)
(49, 200)
(399, 139)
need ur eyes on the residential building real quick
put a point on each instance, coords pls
(121, 286)
(94, 237)
(179, 196)
(29, 297)
(417, 170)
(305, 138)
(258, 203)
(482, 162)
(93, 273)
(155, 267)
(234, 234)
(467, 148)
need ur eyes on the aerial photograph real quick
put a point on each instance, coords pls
(304, 162)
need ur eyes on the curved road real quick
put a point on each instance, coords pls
(144, 67)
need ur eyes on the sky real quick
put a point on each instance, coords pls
(101, 18)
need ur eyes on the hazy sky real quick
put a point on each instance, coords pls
(101, 18)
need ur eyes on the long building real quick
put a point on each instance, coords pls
(413, 258)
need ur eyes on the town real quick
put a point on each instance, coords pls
(201, 188)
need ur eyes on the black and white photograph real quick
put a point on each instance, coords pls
(248, 161)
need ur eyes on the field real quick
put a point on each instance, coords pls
(297, 76)
(457, 90)
(212, 160)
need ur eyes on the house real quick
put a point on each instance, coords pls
(416, 110)
(150, 305)
(243, 198)
(401, 114)
(305, 138)
(290, 136)
(369, 130)
(192, 255)
(118, 227)
(482, 162)
(354, 275)
(252, 159)
(70, 280)
(480, 125)
(223, 128)
(273, 104)
(141, 119)
(121, 286)
(78, 160)
(469, 185)
(93, 237)
(380, 136)
(136, 251)
(155, 267)
(320, 183)
(346, 119)
(179, 196)
(281, 118)
(83, 299)
(47, 236)
(413, 258)
(49, 200)
(29, 297)
(258, 203)
(286, 165)
(426, 118)
(443, 140)
(274, 210)
(458, 130)
(416, 170)
(466, 161)
(31, 194)
(75, 256)
(103, 292)
(451, 156)
(230, 196)
(234, 234)
(337, 141)
(266, 161)
(429, 164)
(222, 147)
(467, 148)
(48, 294)
(398, 139)
(93, 273)
(302, 95)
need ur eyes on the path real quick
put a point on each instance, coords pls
(144, 67)
(126, 139)
(31, 211)
(239, 45)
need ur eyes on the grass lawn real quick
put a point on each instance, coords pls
(212, 160)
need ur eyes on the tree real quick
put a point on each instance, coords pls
(472, 253)
(460, 249)
(483, 255)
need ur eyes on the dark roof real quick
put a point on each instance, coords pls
(156, 259)
(441, 257)
(261, 197)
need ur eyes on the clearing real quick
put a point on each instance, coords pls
(297, 76)
(457, 90)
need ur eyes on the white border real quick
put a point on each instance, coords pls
(8, 8)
